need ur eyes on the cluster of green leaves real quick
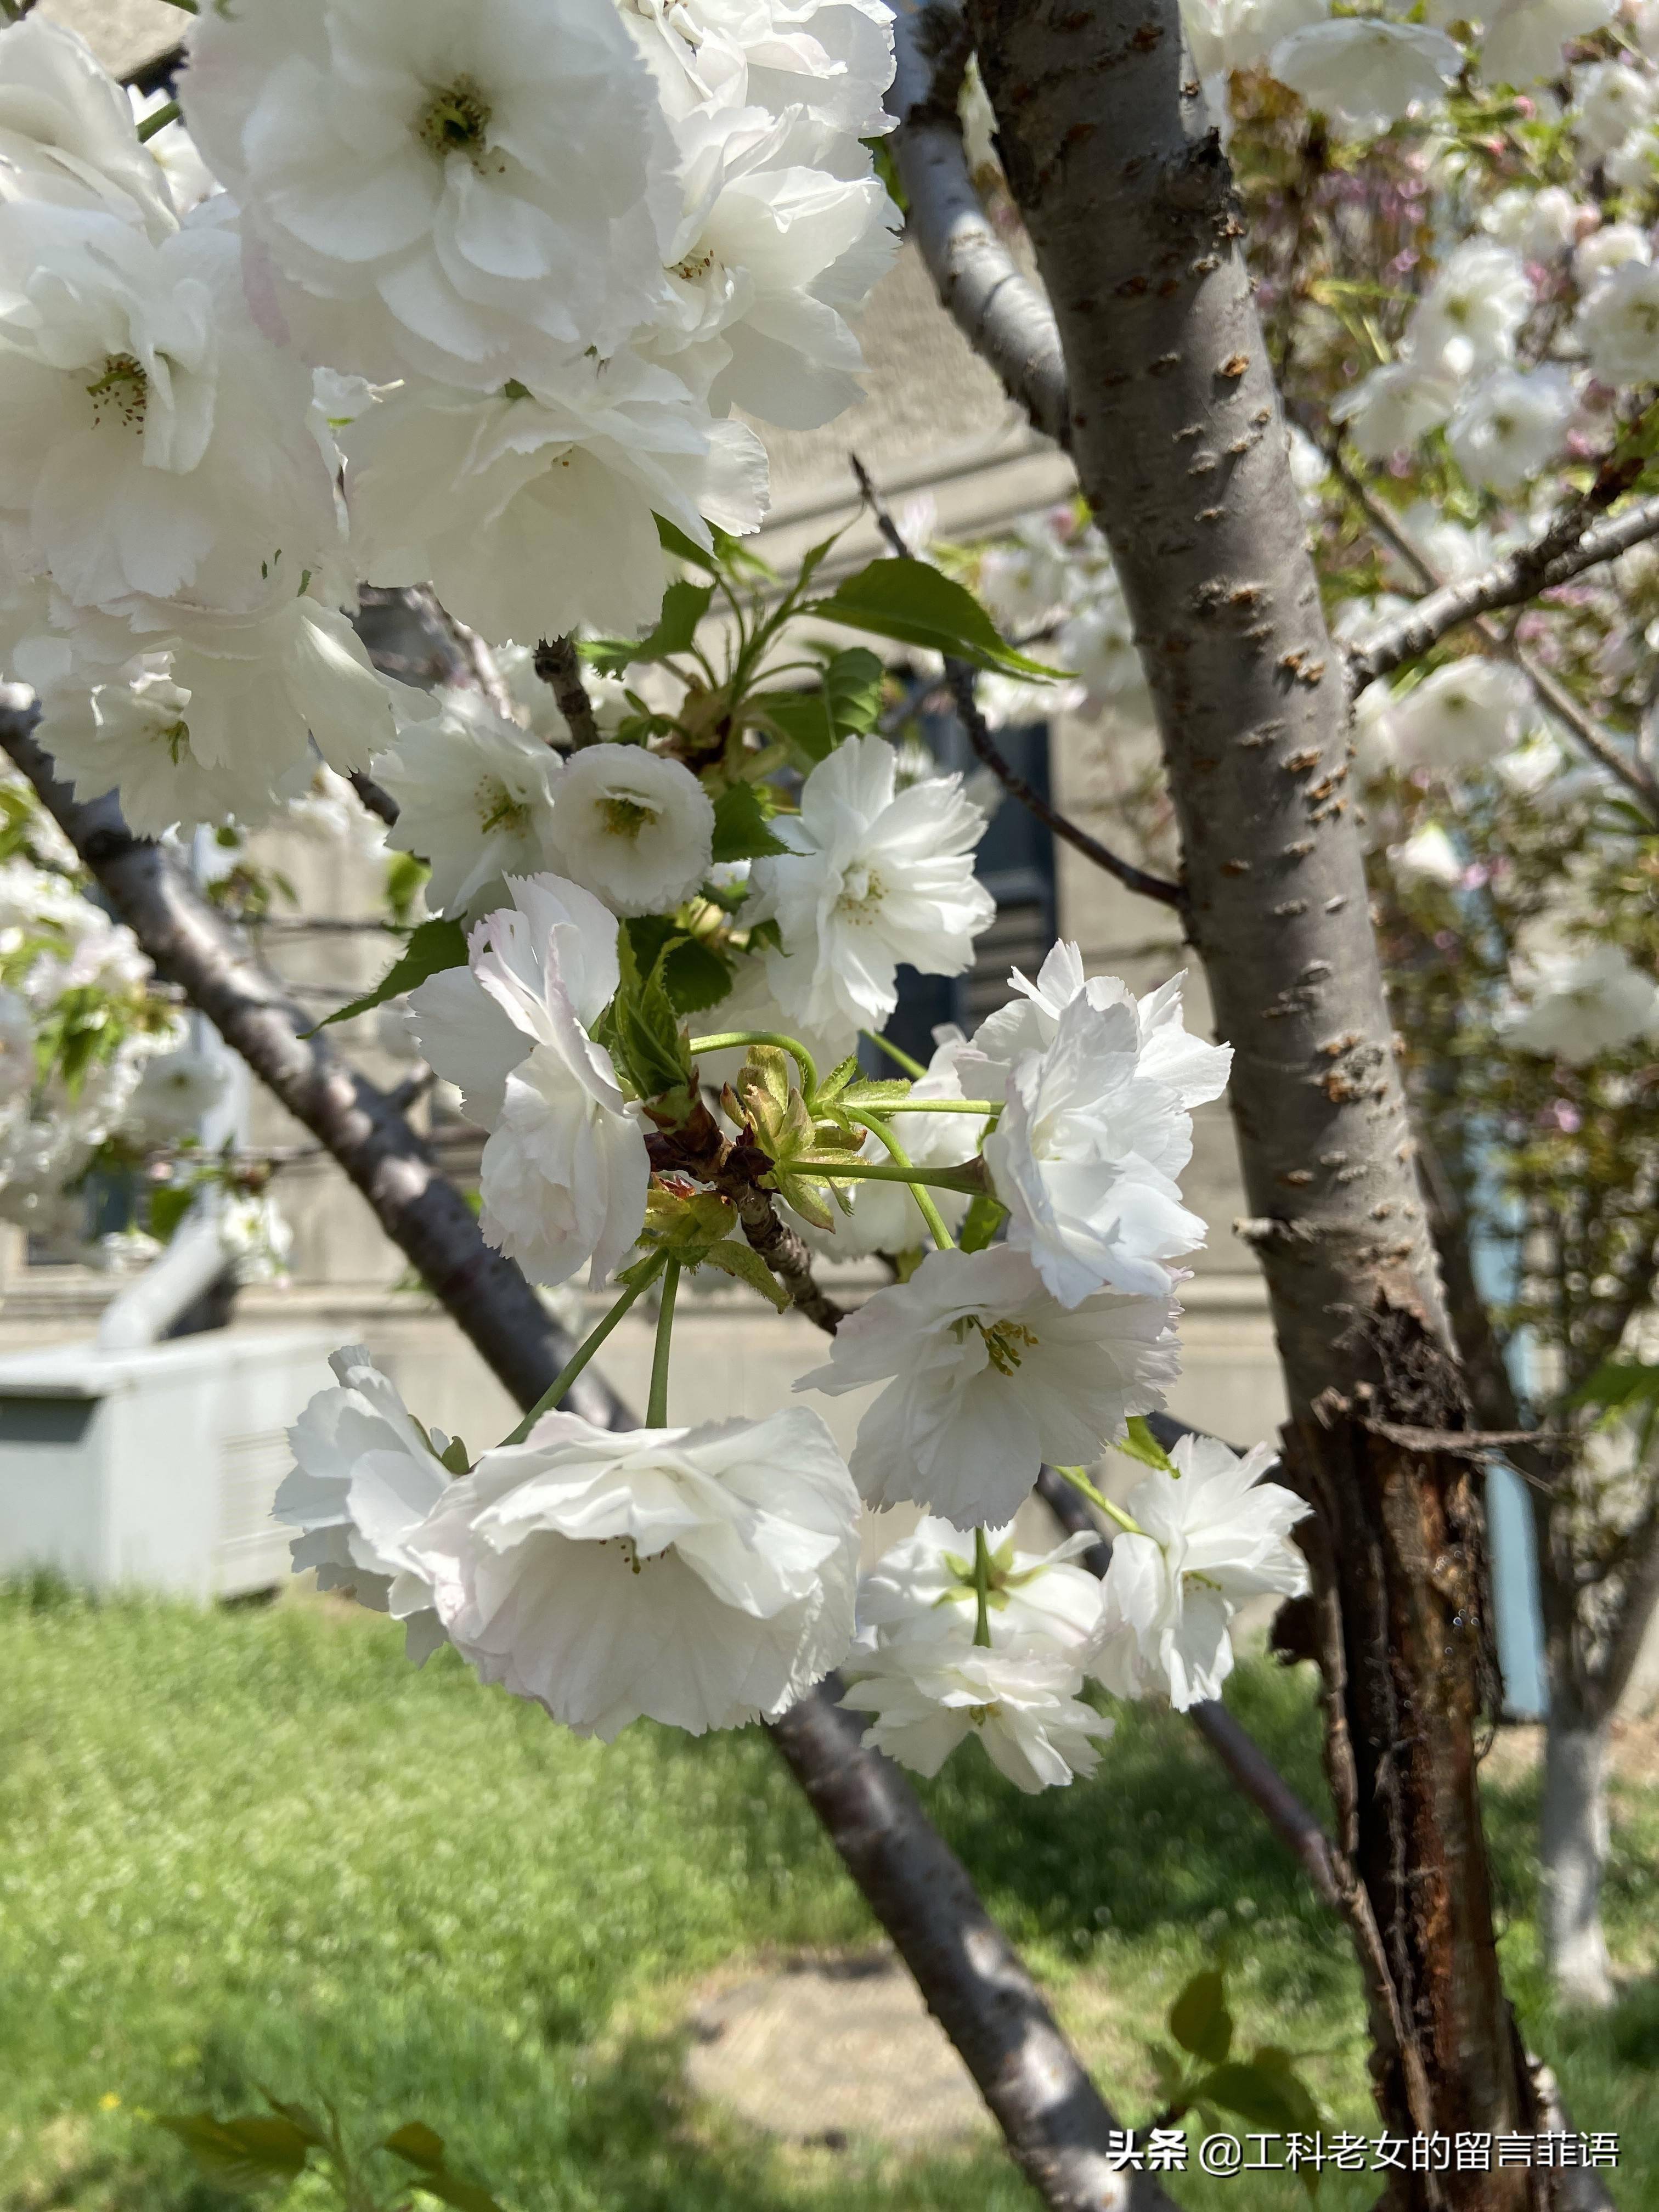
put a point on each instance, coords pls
(1200, 2074)
(258, 2150)
(695, 1228)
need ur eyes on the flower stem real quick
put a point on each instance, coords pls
(981, 1587)
(983, 1106)
(968, 1177)
(579, 1359)
(796, 1050)
(1078, 1481)
(656, 1410)
(913, 1068)
(152, 124)
(925, 1205)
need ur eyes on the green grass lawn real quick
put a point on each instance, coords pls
(255, 1847)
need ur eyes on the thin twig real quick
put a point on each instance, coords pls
(1549, 687)
(962, 678)
(377, 800)
(1519, 576)
(477, 661)
(559, 665)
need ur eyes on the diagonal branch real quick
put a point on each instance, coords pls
(1519, 576)
(1058, 2128)
(559, 665)
(960, 677)
(1002, 314)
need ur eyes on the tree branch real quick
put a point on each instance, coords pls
(1003, 317)
(559, 665)
(960, 677)
(1519, 576)
(1630, 771)
(1057, 2126)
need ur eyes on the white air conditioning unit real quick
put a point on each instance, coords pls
(153, 1469)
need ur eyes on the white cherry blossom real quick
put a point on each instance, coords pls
(635, 828)
(134, 739)
(1394, 405)
(365, 1477)
(873, 876)
(1524, 38)
(66, 134)
(1618, 325)
(469, 188)
(989, 1377)
(1461, 716)
(1427, 856)
(1364, 70)
(1020, 1699)
(175, 1092)
(700, 1577)
(565, 1171)
(1511, 424)
(475, 794)
(920, 1588)
(1471, 313)
(1582, 1002)
(1214, 1534)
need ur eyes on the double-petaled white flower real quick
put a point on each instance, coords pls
(1366, 71)
(702, 1578)
(475, 794)
(468, 188)
(153, 443)
(366, 1476)
(175, 1092)
(633, 827)
(989, 1377)
(1214, 1534)
(532, 510)
(565, 1171)
(1509, 424)
(134, 739)
(1617, 324)
(923, 1587)
(1460, 717)
(1471, 314)
(830, 61)
(1582, 1001)
(1395, 406)
(928, 1694)
(66, 134)
(873, 876)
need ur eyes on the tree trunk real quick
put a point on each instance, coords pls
(1181, 450)
(1572, 1850)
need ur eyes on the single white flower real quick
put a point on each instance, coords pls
(1463, 716)
(1394, 405)
(1214, 1534)
(156, 443)
(1524, 38)
(922, 1587)
(633, 827)
(1097, 644)
(990, 1377)
(17, 1067)
(475, 794)
(365, 1477)
(1469, 316)
(532, 512)
(1540, 225)
(1028, 577)
(1612, 99)
(873, 876)
(1617, 324)
(1019, 1698)
(700, 1577)
(256, 1237)
(1511, 424)
(66, 134)
(1427, 856)
(565, 1171)
(134, 739)
(774, 249)
(1365, 71)
(175, 1092)
(471, 187)
(1583, 1002)
(1607, 249)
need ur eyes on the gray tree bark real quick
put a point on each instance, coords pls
(1572, 1845)
(1175, 425)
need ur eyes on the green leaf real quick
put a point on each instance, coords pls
(915, 605)
(405, 876)
(878, 1091)
(673, 539)
(846, 704)
(740, 1261)
(417, 2146)
(456, 1457)
(985, 1217)
(433, 947)
(740, 831)
(1141, 1444)
(683, 606)
(1623, 1387)
(843, 1073)
(1199, 2021)
(642, 1031)
(169, 1202)
(1254, 2092)
(1279, 2067)
(693, 974)
(241, 2155)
